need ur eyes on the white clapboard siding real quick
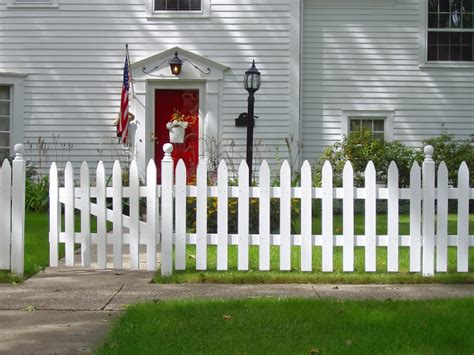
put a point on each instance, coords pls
(327, 218)
(415, 218)
(134, 216)
(463, 218)
(393, 221)
(306, 218)
(285, 217)
(222, 216)
(85, 215)
(243, 218)
(370, 218)
(180, 205)
(5, 216)
(348, 218)
(442, 220)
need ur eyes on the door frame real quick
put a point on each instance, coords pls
(152, 86)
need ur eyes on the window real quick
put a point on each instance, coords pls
(5, 114)
(32, 3)
(379, 122)
(450, 30)
(375, 125)
(177, 5)
(157, 9)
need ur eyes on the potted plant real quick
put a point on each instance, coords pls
(178, 124)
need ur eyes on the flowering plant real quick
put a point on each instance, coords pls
(179, 119)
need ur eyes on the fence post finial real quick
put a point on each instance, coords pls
(428, 150)
(167, 149)
(19, 150)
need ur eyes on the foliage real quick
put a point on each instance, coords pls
(36, 191)
(453, 153)
(361, 147)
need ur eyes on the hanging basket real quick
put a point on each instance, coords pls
(177, 135)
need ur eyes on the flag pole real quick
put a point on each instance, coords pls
(129, 71)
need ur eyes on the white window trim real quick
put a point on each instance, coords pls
(423, 51)
(387, 114)
(152, 15)
(32, 4)
(17, 107)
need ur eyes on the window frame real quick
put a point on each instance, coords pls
(8, 118)
(33, 4)
(17, 110)
(423, 45)
(387, 116)
(152, 14)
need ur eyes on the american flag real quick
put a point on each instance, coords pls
(122, 127)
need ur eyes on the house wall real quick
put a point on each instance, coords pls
(74, 55)
(364, 55)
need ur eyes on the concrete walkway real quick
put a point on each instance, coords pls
(69, 310)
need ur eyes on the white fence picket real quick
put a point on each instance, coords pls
(101, 216)
(243, 218)
(327, 218)
(201, 216)
(370, 218)
(285, 217)
(85, 215)
(117, 197)
(442, 219)
(348, 218)
(222, 216)
(151, 214)
(428, 208)
(264, 217)
(5, 216)
(180, 206)
(463, 219)
(54, 216)
(134, 207)
(415, 218)
(306, 218)
(392, 211)
(167, 167)
(18, 212)
(69, 213)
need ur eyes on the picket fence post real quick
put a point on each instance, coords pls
(18, 211)
(5, 216)
(167, 168)
(428, 179)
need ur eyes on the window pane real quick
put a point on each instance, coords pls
(4, 93)
(379, 135)
(177, 5)
(433, 21)
(433, 6)
(444, 21)
(183, 5)
(379, 125)
(4, 154)
(432, 52)
(432, 37)
(444, 5)
(468, 5)
(443, 38)
(4, 124)
(354, 125)
(195, 5)
(468, 21)
(455, 38)
(443, 52)
(456, 5)
(4, 108)
(367, 124)
(4, 140)
(456, 20)
(467, 53)
(455, 53)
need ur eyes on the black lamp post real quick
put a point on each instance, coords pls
(252, 83)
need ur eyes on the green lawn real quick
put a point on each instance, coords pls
(294, 326)
(317, 276)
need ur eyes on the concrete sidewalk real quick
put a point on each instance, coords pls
(69, 310)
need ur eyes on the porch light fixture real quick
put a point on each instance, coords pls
(175, 64)
(252, 82)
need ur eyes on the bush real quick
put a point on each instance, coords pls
(453, 153)
(36, 191)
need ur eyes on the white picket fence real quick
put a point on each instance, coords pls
(428, 250)
(12, 213)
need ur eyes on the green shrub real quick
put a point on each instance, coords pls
(37, 193)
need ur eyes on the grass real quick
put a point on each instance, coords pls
(294, 326)
(359, 276)
(37, 246)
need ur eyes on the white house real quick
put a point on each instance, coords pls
(404, 68)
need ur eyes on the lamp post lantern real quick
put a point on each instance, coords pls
(252, 82)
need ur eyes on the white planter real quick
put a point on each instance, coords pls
(177, 135)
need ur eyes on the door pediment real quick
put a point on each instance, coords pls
(157, 67)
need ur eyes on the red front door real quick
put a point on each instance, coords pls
(186, 102)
